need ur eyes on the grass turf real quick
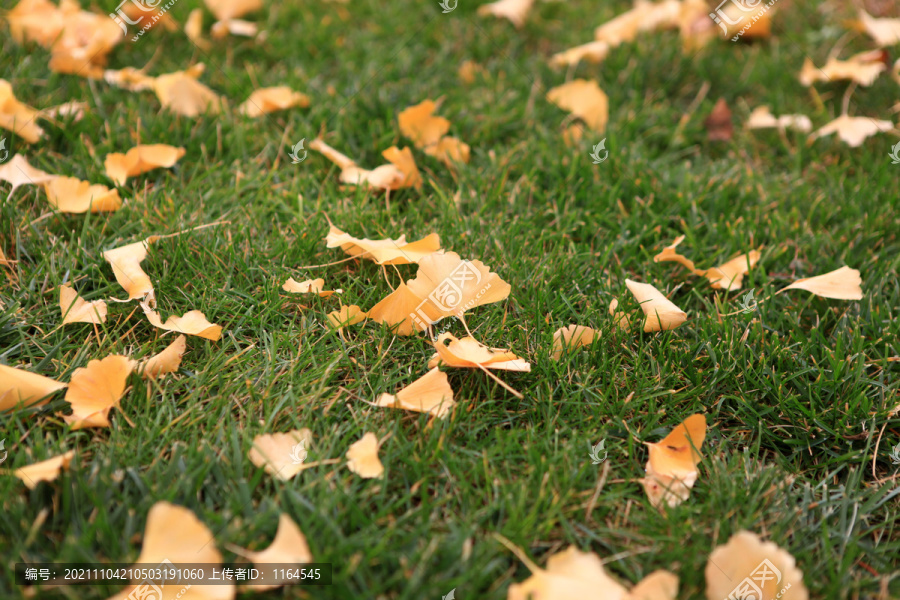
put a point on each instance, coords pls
(797, 393)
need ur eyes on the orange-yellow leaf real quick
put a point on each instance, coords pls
(71, 195)
(347, 315)
(469, 353)
(25, 389)
(572, 337)
(727, 276)
(419, 124)
(76, 310)
(181, 93)
(842, 284)
(192, 323)
(885, 32)
(585, 100)
(288, 548)
(514, 10)
(95, 389)
(140, 159)
(403, 160)
(166, 361)
(18, 117)
(771, 570)
(362, 457)
(18, 172)
(126, 266)
(386, 251)
(430, 394)
(231, 9)
(661, 314)
(863, 68)
(761, 118)
(310, 286)
(853, 130)
(267, 100)
(281, 455)
(46, 470)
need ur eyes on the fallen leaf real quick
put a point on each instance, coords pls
(288, 548)
(166, 361)
(76, 310)
(126, 266)
(181, 93)
(310, 286)
(853, 130)
(129, 78)
(397, 311)
(661, 314)
(18, 172)
(658, 585)
(17, 116)
(842, 284)
(281, 455)
(267, 100)
(468, 71)
(95, 389)
(618, 316)
(585, 100)
(449, 150)
(25, 389)
(385, 177)
(727, 276)
(232, 9)
(73, 110)
(221, 29)
(514, 10)
(761, 118)
(428, 132)
(719, 127)
(46, 470)
(572, 337)
(71, 195)
(193, 29)
(192, 323)
(743, 20)
(594, 52)
(570, 574)
(645, 16)
(347, 315)
(362, 457)
(746, 565)
(471, 354)
(38, 21)
(885, 32)
(140, 159)
(384, 252)
(671, 470)
(863, 68)
(429, 394)
(403, 160)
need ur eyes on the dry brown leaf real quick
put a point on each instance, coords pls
(853, 130)
(267, 100)
(18, 117)
(747, 567)
(514, 10)
(347, 315)
(863, 68)
(18, 172)
(126, 266)
(232, 9)
(727, 276)
(46, 470)
(288, 548)
(671, 470)
(761, 118)
(585, 100)
(192, 323)
(310, 286)
(386, 251)
(221, 29)
(140, 159)
(469, 353)
(71, 195)
(842, 284)
(385, 177)
(661, 314)
(95, 389)
(719, 127)
(362, 457)
(76, 309)
(429, 394)
(181, 93)
(281, 455)
(885, 32)
(18, 387)
(166, 361)
(403, 160)
(572, 337)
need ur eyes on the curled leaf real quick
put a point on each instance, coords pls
(267, 100)
(140, 159)
(585, 100)
(126, 265)
(19, 172)
(472, 354)
(671, 470)
(25, 389)
(347, 315)
(842, 284)
(853, 130)
(761, 118)
(727, 276)
(863, 68)
(76, 310)
(192, 323)
(46, 470)
(386, 251)
(166, 361)
(310, 286)
(71, 195)
(661, 313)
(288, 548)
(746, 566)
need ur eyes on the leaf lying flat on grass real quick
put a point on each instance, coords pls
(863, 68)
(71, 195)
(288, 548)
(191, 323)
(571, 337)
(386, 251)
(25, 389)
(310, 286)
(362, 457)
(385, 177)
(853, 130)
(166, 361)
(19, 172)
(430, 394)
(885, 32)
(842, 284)
(95, 389)
(17, 116)
(267, 100)
(585, 100)
(727, 276)
(514, 10)
(761, 118)
(346, 315)
(661, 313)
(140, 159)
(428, 133)
(126, 265)
(76, 309)
(745, 554)
(46, 470)
(469, 353)
(232, 9)
(181, 93)
(671, 470)
(274, 452)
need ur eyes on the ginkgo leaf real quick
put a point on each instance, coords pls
(403, 160)
(662, 490)
(386, 251)
(472, 354)
(569, 574)
(231, 9)
(310, 286)
(362, 457)
(71, 195)
(347, 315)
(267, 100)
(18, 172)
(95, 389)
(193, 28)
(644, 16)
(191, 323)
(469, 70)
(853, 130)
(76, 309)
(658, 585)
(585, 100)
(221, 29)
(620, 318)
(166, 361)
(281, 455)
(885, 32)
(46, 470)
(842, 284)
(385, 177)
(761, 118)
(397, 310)
(678, 454)
(140, 159)
(593, 52)
(129, 78)
(430, 394)
(25, 389)
(449, 150)
(757, 568)
(727, 276)
(126, 266)
(419, 124)
(661, 313)
(514, 10)
(38, 21)
(181, 93)
(288, 548)
(17, 116)
(863, 68)
(571, 337)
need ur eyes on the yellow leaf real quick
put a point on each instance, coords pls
(221, 29)
(385, 177)
(71, 195)
(661, 314)
(231, 9)
(430, 394)
(514, 10)
(853, 130)
(76, 310)
(166, 361)
(569, 575)
(47, 470)
(672, 466)
(386, 251)
(140, 159)
(18, 387)
(18, 172)
(842, 284)
(347, 315)
(419, 124)
(761, 118)
(863, 68)
(266, 100)
(746, 555)
(471, 354)
(18, 117)
(885, 32)
(310, 286)
(362, 457)
(288, 548)
(281, 455)
(192, 323)
(403, 160)
(585, 100)
(181, 93)
(95, 389)
(193, 28)
(727, 276)
(572, 337)
(126, 266)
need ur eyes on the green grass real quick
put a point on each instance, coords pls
(796, 394)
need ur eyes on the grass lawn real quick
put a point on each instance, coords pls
(797, 394)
